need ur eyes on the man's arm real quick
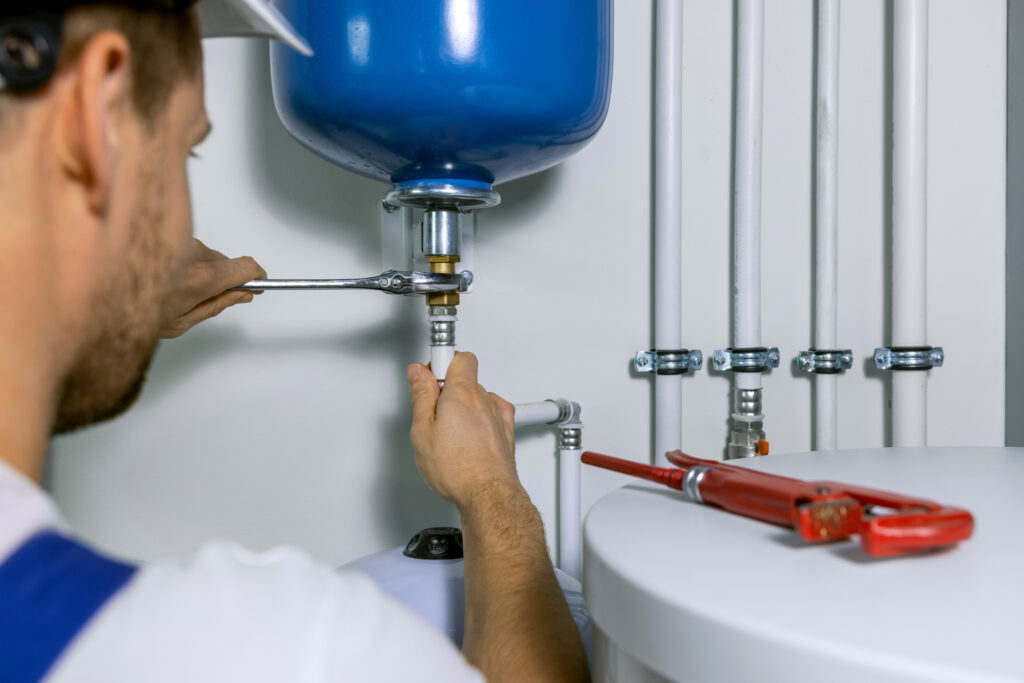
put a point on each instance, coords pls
(518, 626)
(204, 289)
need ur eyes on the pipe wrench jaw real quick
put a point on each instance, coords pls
(894, 524)
(830, 517)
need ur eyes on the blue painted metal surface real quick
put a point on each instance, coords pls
(467, 92)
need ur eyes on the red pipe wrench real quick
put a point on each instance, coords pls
(887, 523)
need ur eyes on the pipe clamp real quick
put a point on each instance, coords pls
(825, 361)
(759, 359)
(909, 357)
(662, 362)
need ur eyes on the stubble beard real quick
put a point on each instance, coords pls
(111, 368)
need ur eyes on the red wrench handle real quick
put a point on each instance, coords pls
(816, 512)
(668, 476)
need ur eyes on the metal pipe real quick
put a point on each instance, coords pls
(668, 219)
(909, 215)
(826, 220)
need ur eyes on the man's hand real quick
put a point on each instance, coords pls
(204, 290)
(464, 437)
(518, 625)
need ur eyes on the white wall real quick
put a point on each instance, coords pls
(286, 421)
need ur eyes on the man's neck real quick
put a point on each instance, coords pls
(31, 342)
(27, 400)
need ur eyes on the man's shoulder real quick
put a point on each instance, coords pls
(228, 613)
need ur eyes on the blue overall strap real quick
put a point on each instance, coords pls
(49, 589)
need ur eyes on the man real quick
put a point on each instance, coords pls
(100, 106)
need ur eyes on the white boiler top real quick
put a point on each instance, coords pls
(699, 594)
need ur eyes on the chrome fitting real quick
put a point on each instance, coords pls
(747, 404)
(569, 412)
(442, 325)
(744, 443)
(825, 362)
(570, 438)
(746, 437)
(909, 357)
(441, 232)
(759, 359)
(661, 362)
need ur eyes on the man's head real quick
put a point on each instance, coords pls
(94, 166)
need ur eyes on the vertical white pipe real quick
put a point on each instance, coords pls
(747, 190)
(668, 220)
(826, 219)
(570, 545)
(440, 358)
(909, 214)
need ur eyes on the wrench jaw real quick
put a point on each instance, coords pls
(821, 521)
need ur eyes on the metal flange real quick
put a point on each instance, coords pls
(909, 357)
(825, 361)
(444, 195)
(758, 359)
(663, 362)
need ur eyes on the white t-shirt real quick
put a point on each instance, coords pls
(227, 614)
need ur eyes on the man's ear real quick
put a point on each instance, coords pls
(94, 105)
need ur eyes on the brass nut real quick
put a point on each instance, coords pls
(444, 265)
(443, 299)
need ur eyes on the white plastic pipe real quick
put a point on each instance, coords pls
(440, 358)
(747, 189)
(539, 413)
(570, 543)
(826, 219)
(909, 215)
(570, 525)
(668, 221)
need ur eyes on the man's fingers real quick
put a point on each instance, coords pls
(206, 310)
(463, 369)
(505, 410)
(424, 389)
(207, 279)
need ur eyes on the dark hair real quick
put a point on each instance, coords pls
(165, 44)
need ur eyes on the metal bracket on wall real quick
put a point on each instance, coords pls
(663, 362)
(825, 361)
(909, 357)
(759, 359)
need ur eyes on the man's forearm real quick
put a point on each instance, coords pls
(518, 626)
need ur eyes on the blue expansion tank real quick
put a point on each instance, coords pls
(464, 93)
